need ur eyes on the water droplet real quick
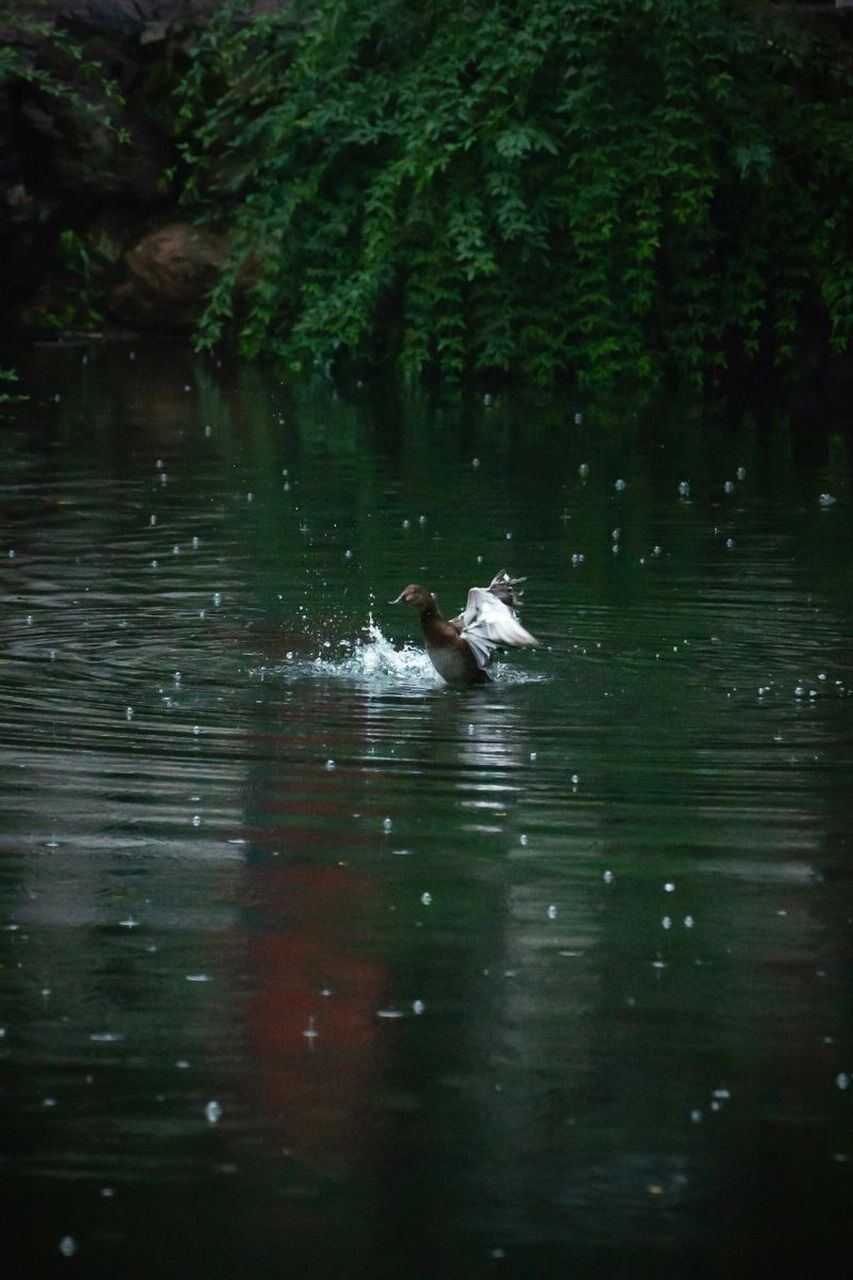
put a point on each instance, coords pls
(348, 555)
(842, 1080)
(669, 887)
(684, 488)
(196, 819)
(608, 877)
(426, 899)
(418, 1006)
(68, 1246)
(532, 756)
(667, 922)
(689, 922)
(741, 473)
(696, 1115)
(578, 419)
(730, 542)
(330, 764)
(826, 500)
(575, 779)
(212, 1111)
(552, 912)
(422, 519)
(583, 470)
(522, 839)
(729, 487)
(619, 486)
(217, 598)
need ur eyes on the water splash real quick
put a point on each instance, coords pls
(373, 659)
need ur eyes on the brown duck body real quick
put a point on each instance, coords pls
(452, 657)
(461, 648)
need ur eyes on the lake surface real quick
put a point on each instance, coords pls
(312, 965)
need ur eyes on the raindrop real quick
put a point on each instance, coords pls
(418, 1006)
(729, 487)
(575, 779)
(522, 840)
(583, 470)
(667, 922)
(684, 488)
(730, 542)
(387, 825)
(532, 756)
(348, 555)
(475, 462)
(330, 764)
(426, 899)
(552, 912)
(422, 519)
(696, 1115)
(250, 497)
(826, 500)
(842, 1080)
(669, 887)
(608, 877)
(741, 473)
(217, 598)
(68, 1246)
(619, 486)
(212, 1111)
(196, 819)
(407, 524)
(689, 922)
(310, 1031)
(509, 537)
(578, 419)
(196, 729)
(616, 534)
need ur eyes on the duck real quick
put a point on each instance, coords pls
(461, 648)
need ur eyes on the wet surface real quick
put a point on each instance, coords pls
(311, 962)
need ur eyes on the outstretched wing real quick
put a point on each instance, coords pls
(488, 622)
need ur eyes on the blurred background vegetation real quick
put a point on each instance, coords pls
(606, 190)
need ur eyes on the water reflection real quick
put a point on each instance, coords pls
(301, 946)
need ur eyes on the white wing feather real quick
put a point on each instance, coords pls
(488, 622)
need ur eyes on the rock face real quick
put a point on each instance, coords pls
(94, 179)
(167, 276)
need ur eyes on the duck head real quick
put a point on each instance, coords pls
(414, 595)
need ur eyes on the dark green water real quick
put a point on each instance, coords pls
(312, 965)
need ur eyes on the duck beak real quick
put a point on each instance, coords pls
(399, 597)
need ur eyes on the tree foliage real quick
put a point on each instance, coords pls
(601, 188)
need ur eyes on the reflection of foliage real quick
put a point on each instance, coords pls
(10, 397)
(604, 187)
(81, 83)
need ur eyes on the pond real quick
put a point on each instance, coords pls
(314, 964)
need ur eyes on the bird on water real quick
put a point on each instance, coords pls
(461, 648)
